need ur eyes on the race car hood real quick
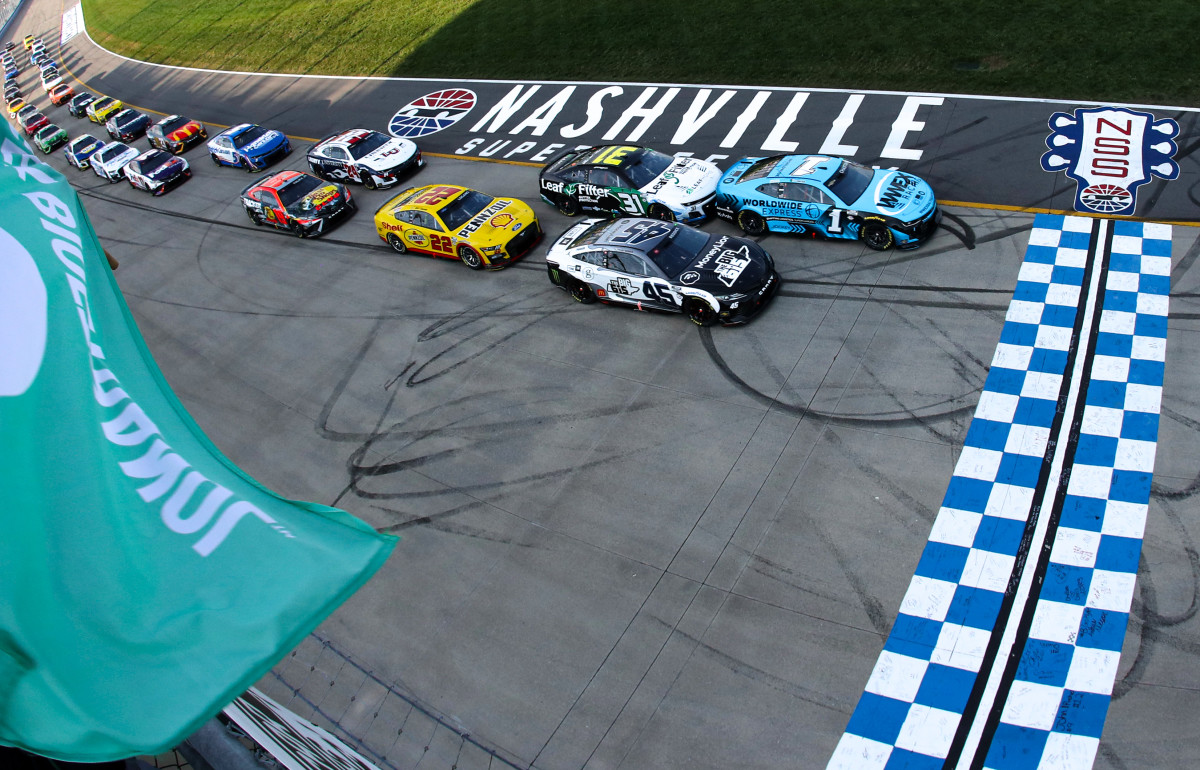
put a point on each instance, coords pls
(728, 266)
(167, 170)
(83, 149)
(498, 222)
(684, 181)
(186, 131)
(119, 158)
(898, 195)
(316, 201)
(264, 143)
(390, 155)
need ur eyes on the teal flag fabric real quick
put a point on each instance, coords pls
(145, 580)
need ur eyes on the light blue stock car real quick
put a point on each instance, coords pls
(830, 197)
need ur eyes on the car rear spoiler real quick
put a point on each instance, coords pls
(257, 182)
(320, 141)
(560, 158)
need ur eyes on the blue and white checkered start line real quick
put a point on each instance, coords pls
(1006, 647)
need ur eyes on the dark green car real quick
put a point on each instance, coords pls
(50, 137)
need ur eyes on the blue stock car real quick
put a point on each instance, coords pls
(830, 197)
(248, 146)
(80, 150)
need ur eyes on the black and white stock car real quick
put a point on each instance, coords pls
(656, 265)
(372, 158)
(157, 171)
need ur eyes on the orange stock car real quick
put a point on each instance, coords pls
(458, 223)
(60, 94)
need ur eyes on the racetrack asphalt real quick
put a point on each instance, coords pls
(627, 542)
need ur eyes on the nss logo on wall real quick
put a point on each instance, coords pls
(1110, 152)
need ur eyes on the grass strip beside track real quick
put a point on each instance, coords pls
(1096, 51)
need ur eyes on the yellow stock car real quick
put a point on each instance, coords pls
(458, 223)
(103, 108)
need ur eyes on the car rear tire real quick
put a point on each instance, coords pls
(580, 291)
(659, 211)
(470, 257)
(568, 206)
(699, 312)
(255, 219)
(397, 244)
(751, 223)
(876, 235)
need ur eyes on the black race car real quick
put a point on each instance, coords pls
(157, 171)
(127, 125)
(359, 155)
(622, 180)
(79, 104)
(176, 133)
(295, 201)
(655, 265)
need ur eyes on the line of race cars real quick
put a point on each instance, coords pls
(640, 251)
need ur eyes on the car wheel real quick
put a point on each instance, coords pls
(699, 312)
(215, 161)
(876, 235)
(246, 164)
(568, 206)
(580, 291)
(396, 244)
(368, 180)
(316, 170)
(254, 218)
(470, 257)
(659, 211)
(751, 223)
(297, 230)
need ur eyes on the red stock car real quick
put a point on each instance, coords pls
(295, 201)
(176, 133)
(33, 122)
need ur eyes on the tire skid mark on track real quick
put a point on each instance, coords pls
(756, 674)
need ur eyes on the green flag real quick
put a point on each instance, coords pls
(145, 581)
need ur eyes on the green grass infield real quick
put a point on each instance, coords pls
(1095, 51)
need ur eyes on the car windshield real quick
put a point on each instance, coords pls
(174, 125)
(456, 213)
(761, 168)
(112, 151)
(368, 145)
(155, 162)
(645, 165)
(249, 135)
(82, 141)
(678, 250)
(298, 188)
(849, 181)
(48, 131)
(102, 103)
(127, 117)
